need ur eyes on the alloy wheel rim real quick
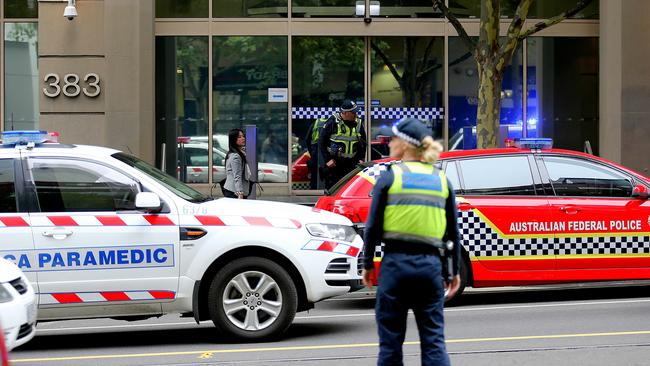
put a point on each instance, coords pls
(252, 300)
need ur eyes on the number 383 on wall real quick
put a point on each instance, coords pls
(70, 87)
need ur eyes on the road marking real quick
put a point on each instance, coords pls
(323, 347)
(355, 315)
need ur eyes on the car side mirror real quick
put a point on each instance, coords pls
(148, 201)
(640, 192)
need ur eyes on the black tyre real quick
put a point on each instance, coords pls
(252, 298)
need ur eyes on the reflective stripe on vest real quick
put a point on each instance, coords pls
(415, 210)
(316, 129)
(347, 137)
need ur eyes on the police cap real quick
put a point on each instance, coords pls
(349, 106)
(411, 130)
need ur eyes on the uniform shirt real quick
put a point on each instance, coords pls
(375, 224)
(329, 129)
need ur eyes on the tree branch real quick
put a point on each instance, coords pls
(469, 42)
(554, 20)
(508, 48)
(460, 59)
(489, 32)
(387, 62)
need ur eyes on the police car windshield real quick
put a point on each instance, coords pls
(177, 187)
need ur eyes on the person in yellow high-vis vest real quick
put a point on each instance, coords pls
(413, 212)
(342, 143)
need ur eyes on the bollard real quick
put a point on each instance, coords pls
(251, 156)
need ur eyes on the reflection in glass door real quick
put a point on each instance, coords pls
(407, 80)
(325, 71)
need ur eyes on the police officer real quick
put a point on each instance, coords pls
(313, 135)
(342, 143)
(413, 212)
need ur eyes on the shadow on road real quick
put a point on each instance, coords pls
(195, 336)
(534, 295)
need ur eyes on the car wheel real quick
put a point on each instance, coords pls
(252, 298)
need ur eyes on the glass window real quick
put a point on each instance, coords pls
(463, 96)
(326, 70)
(178, 188)
(452, 174)
(21, 76)
(575, 177)
(21, 8)
(538, 9)
(7, 187)
(182, 9)
(76, 185)
(407, 81)
(323, 8)
(504, 175)
(246, 71)
(563, 91)
(181, 103)
(249, 9)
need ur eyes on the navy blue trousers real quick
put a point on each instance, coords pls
(411, 281)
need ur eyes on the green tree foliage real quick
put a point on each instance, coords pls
(494, 53)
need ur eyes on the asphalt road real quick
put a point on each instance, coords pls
(606, 326)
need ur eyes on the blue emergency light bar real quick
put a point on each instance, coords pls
(23, 137)
(533, 143)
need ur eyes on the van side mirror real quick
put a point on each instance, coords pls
(640, 192)
(148, 201)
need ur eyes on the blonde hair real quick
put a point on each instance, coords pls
(430, 150)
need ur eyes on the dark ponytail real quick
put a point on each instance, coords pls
(233, 135)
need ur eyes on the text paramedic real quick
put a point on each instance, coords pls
(96, 258)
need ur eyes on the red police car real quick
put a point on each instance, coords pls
(532, 215)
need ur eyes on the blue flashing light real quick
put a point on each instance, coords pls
(534, 143)
(23, 137)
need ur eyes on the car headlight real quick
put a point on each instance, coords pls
(5, 295)
(332, 231)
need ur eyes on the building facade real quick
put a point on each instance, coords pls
(167, 79)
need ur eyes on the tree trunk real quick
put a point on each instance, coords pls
(489, 107)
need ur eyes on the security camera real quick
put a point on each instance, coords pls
(70, 11)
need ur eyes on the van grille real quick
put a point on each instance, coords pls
(19, 285)
(338, 265)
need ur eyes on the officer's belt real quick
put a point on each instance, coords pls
(434, 242)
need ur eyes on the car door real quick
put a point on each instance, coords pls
(604, 232)
(16, 240)
(504, 219)
(93, 246)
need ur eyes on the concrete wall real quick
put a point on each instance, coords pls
(625, 82)
(115, 40)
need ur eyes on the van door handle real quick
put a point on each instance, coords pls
(57, 234)
(571, 210)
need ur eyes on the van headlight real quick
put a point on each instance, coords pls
(5, 295)
(332, 231)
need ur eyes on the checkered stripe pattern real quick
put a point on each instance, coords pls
(314, 112)
(377, 113)
(604, 245)
(375, 170)
(481, 241)
(300, 185)
(419, 113)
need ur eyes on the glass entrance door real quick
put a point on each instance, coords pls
(400, 76)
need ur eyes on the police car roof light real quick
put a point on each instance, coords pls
(533, 143)
(23, 137)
